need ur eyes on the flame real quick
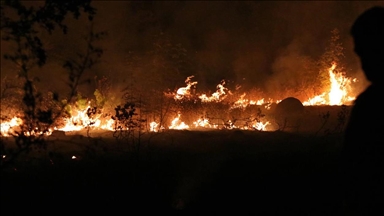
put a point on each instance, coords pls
(12, 127)
(155, 127)
(177, 124)
(242, 103)
(202, 122)
(185, 91)
(338, 93)
(7, 128)
(217, 96)
(81, 121)
(261, 126)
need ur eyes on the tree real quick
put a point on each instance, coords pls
(334, 53)
(21, 25)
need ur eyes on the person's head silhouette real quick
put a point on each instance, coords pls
(368, 35)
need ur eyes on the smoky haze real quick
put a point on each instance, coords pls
(248, 43)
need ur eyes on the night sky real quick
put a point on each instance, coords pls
(250, 43)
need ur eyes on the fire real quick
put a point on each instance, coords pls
(153, 127)
(217, 96)
(185, 91)
(203, 122)
(243, 103)
(177, 124)
(12, 127)
(338, 93)
(261, 126)
(7, 128)
(82, 120)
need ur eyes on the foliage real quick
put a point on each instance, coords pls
(38, 115)
(324, 118)
(102, 91)
(11, 96)
(159, 69)
(129, 125)
(24, 29)
(342, 117)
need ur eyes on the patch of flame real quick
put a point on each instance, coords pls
(338, 91)
(202, 122)
(217, 96)
(11, 127)
(185, 91)
(81, 121)
(177, 124)
(7, 128)
(261, 126)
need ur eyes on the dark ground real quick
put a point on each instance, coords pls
(182, 172)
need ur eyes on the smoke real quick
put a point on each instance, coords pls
(255, 44)
(288, 72)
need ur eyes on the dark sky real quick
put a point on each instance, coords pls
(247, 42)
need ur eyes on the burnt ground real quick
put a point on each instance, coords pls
(179, 172)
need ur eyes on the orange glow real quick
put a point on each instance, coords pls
(202, 122)
(185, 91)
(8, 128)
(81, 120)
(261, 126)
(11, 128)
(217, 96)
(177, 124)
(338, 92)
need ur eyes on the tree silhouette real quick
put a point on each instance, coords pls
(21, 25)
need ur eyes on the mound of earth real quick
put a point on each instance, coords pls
(288, 113)
(289, 106)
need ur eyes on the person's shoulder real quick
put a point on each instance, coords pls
(370, 95)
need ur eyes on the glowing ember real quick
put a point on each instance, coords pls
(38, 132)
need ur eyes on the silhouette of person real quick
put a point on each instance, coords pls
(363, 150)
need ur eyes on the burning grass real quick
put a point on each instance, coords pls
(187, 109)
